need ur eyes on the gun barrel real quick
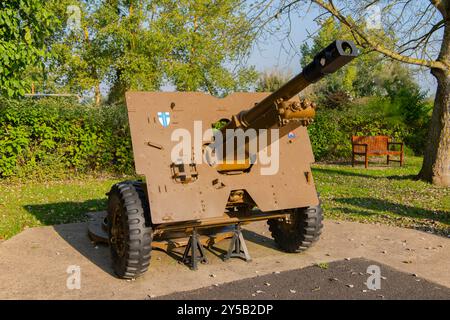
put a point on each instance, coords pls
(276, 111)
(332, 58)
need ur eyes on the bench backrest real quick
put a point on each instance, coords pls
(374, 143)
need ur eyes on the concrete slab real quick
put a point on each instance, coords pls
(33, 264)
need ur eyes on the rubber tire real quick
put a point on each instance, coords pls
(129, 199)
(301, 232)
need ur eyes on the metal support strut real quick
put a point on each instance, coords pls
(238, 248)
(196, 256)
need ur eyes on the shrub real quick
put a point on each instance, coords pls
(56, 136)
(331, 131)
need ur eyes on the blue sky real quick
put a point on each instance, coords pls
(277, 52)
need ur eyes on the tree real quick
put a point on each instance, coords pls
(369, 75)
(109, 47)
(270, 81)
(24, 27)
(346, 81)
(420, 35)
(143, 44)
(202, 39)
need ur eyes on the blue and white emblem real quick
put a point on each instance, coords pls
(164, 118)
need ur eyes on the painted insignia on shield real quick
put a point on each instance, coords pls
(164, 118)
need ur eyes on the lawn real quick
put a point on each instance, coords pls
(34, 204)
(383, 194)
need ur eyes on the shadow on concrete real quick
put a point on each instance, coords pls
(76, 235)
(249, 236)
(260, 240)
(62, 215)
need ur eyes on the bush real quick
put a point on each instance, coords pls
(55, 136)
(331, 131)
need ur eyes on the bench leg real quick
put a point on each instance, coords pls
(366, 161)
(353, 160)
(388, 158)
(401, 159)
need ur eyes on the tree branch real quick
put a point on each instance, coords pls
(441, 6)
(370, 43)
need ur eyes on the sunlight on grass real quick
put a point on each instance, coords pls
(46, 203)
(383, 194)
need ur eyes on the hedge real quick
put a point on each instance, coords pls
(57, 137)
(53, 137)
(331, 131)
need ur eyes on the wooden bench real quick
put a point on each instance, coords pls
(375, 146)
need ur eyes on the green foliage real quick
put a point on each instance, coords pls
(24, 27)
(331, 131)
(219, 124)
(363, 77)
(53, 137)
(271, 81)
(405, 106)
(364, 98)
(341, 81)
(201, 41)
(143, 45)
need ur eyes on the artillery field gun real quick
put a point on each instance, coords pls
(208, 169)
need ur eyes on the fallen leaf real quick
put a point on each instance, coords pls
(334, 279)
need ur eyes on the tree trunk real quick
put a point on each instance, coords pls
(436, 163)
(98, 96)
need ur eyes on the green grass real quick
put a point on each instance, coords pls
(386, 195)
(323, 265)
(382, 194)
(24, 205)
